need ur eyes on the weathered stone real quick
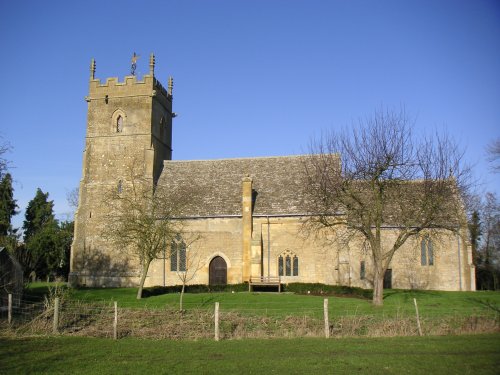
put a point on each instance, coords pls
(250, 211)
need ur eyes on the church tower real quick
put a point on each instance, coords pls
(129, 127)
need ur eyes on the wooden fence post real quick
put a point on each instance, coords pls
(216, 321)
(9, 313)
(418, 317)
(56, 316)
(325, 313)
(115, 322)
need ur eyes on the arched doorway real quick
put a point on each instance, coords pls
(217, 271)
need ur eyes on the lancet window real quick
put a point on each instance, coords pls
(288, 264)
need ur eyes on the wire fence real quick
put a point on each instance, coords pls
(213, 320)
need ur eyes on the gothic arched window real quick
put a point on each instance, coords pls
(119, 124)
(178, 255)
(426, 252)
(295, 269)
(288, 264)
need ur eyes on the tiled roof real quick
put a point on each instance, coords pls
(277, 184)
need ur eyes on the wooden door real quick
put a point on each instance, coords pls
(218, 271)
(388, 279)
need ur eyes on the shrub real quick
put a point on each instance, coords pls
(196, 288)
(328, 290)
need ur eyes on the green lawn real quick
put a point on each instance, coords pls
(479, 354)
(430, 303)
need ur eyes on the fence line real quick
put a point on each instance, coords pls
(225, 321)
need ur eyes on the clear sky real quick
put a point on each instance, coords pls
(252, 78)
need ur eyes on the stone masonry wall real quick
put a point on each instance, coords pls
(113, 154)
(322, 259)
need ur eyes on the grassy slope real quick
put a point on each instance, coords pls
(478, 354)
(431, 303)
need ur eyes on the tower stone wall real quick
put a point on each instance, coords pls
(129, 128)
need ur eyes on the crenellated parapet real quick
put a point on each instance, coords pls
(112, 87)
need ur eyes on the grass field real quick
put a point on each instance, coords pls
(430, 303)
(478, 354)
(462, 354)
(245, 315)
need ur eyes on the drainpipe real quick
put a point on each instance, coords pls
(268, 248)
(459, 261)
(246, 216)
(164, 263)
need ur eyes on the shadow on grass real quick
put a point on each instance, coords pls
(408, 294)
(197, 288)
(486, 303)
(317, 289)
(314, 289)
(37, 291)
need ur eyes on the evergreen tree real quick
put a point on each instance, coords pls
(7, 205)
(475, 232)
(44, 244)
(39, 213)
(66, 229)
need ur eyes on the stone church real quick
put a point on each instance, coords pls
(249, 213)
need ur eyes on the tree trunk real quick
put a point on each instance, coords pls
(182, 296)
(378, 287)
(145, 269)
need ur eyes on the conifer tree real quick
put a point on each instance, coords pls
(39, 213)
(7, 205)
(475, 232)
(41, 236)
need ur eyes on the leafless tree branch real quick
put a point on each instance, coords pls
(493, 151)
(378, 174)
(142, 220)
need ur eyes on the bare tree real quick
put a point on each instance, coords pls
(489, 250)
(143, 220)
(493, 151)
(377, 175)
(189, 260)
(4, 148)
(72, 197)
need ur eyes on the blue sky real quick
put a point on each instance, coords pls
(252, 78)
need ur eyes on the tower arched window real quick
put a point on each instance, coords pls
(162, 127)
(119, 124)
(119, 187)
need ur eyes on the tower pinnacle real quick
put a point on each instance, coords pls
(152, 64)
(92, 69)
(170, 85)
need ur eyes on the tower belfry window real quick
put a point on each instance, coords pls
(162, 127)
(119, 124)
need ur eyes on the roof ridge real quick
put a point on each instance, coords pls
(241, 158)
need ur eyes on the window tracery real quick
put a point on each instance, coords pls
(288, 264)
